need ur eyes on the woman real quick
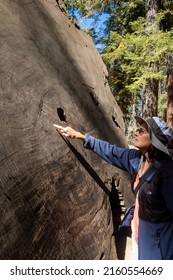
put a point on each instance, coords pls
(152, 224)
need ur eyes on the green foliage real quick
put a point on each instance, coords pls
(132, 57)
(87, 7)
(162, 106)
(135, 52)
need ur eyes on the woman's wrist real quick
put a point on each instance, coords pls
(80, 136)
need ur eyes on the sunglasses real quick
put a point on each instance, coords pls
(141, 131)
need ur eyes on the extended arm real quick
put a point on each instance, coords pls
(120, 157)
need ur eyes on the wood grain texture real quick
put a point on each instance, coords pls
(53, 200)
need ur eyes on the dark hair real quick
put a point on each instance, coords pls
(170, 143)
(154, 153)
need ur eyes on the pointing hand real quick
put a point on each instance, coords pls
(70, 132)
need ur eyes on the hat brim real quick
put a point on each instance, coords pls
(140, 120)
(155, 142)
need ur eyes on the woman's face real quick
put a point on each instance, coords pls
(142, 138)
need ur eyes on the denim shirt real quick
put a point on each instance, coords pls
(129, 160)
(123, 158)
(156, 235)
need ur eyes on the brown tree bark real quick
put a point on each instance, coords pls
(54, 195)
(150, 92)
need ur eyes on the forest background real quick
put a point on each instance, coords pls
(135, 40)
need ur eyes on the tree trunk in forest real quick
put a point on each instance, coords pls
(54, 195)
(150, 99)
(134, 106)
(170, 98)
(150, 93)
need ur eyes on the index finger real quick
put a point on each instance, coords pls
(58, 126)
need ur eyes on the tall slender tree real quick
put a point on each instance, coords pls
(150, 92)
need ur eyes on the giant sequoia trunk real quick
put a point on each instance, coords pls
(54, 195)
